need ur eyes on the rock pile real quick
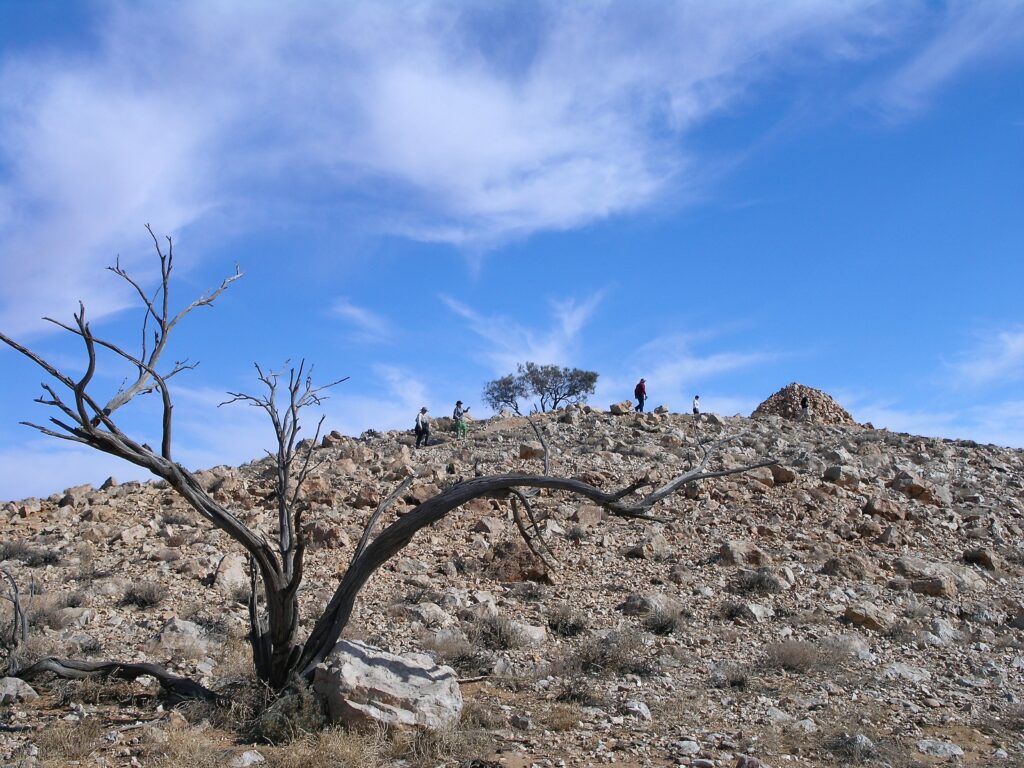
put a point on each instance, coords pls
(786, 403)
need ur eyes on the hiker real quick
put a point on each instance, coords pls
(805, 408)
(459, 416)
(640, 393)
(422, 427)
(696, 407)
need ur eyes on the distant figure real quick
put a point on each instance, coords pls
(805, 408)
(696, 406)
(640, 393)
(459, 415)
(422, 427)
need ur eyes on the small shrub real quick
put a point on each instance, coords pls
(730, 675)
(33, 557)
(731, 611)
(576, 534)
(240, 593)
(176, 517)
(461, 656)
(756, 582)
(565, 622)
(529, 591)
(793, 656)
(854, 749)
(617, 652)
(562, 718)
(74, 599)
(576, 689)
(496, 633)
(143, 594)
(288, 717)
(660, 623)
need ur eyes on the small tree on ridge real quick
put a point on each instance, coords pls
(552, 385)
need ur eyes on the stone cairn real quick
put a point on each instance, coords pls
(786, 403)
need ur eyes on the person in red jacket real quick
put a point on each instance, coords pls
(640, 393)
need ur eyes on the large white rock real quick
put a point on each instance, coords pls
(362, 685)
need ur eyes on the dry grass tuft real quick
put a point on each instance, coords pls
(65, 743)
(795, 656)
(143, 594)
(565, 622)
(495, 633)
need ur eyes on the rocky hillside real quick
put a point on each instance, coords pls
(858, 602)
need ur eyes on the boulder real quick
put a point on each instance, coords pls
(621, 409)
(179, 637)
(531, 450)
(743, 553)
(231, 574)
(782, 474)
(13, 689)
(869, 616)
(655, 547)
(653, 602)
(362, 685)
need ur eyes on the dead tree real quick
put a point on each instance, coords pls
(280, 657)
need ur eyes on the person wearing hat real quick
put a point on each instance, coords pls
(422, 427)
(640, 393)
(459, 416)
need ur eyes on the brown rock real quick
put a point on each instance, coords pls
(743, 553)
(941, 585)
(869, 616)
(982, 556)
(879, 506)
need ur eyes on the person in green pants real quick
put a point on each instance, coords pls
(459, 416)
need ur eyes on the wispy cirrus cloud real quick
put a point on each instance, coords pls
(676, 368)
(434, 121)
(965, 34)
(510, 342)
(997, 359)
(365, 325)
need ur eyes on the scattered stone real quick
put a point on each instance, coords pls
(13, 689)
(937, 748)
(365, 685)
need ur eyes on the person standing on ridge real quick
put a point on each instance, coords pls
(696, 407)
(422, 427)
(805, 408)
(459, 416)
(640, 393)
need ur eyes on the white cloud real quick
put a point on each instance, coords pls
(510, 342)
(968, 34)
(420, 116)
(997, 359)
(367, 326)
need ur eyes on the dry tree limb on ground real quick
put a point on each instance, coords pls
(280, 658)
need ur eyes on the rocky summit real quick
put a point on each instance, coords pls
(858, 601)
(786, 403)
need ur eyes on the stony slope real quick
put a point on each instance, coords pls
(867, 590)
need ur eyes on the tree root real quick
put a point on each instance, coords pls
(176, 688)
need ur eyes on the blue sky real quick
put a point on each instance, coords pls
(721, 197)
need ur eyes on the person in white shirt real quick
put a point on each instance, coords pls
(422, 427)
(696, 406)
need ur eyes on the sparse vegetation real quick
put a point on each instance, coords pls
(617, 652)
(33, 557)
(143, 594)
(566, 622)
(495, 633)
(660, 623)
(758, 581)
(794, 656)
